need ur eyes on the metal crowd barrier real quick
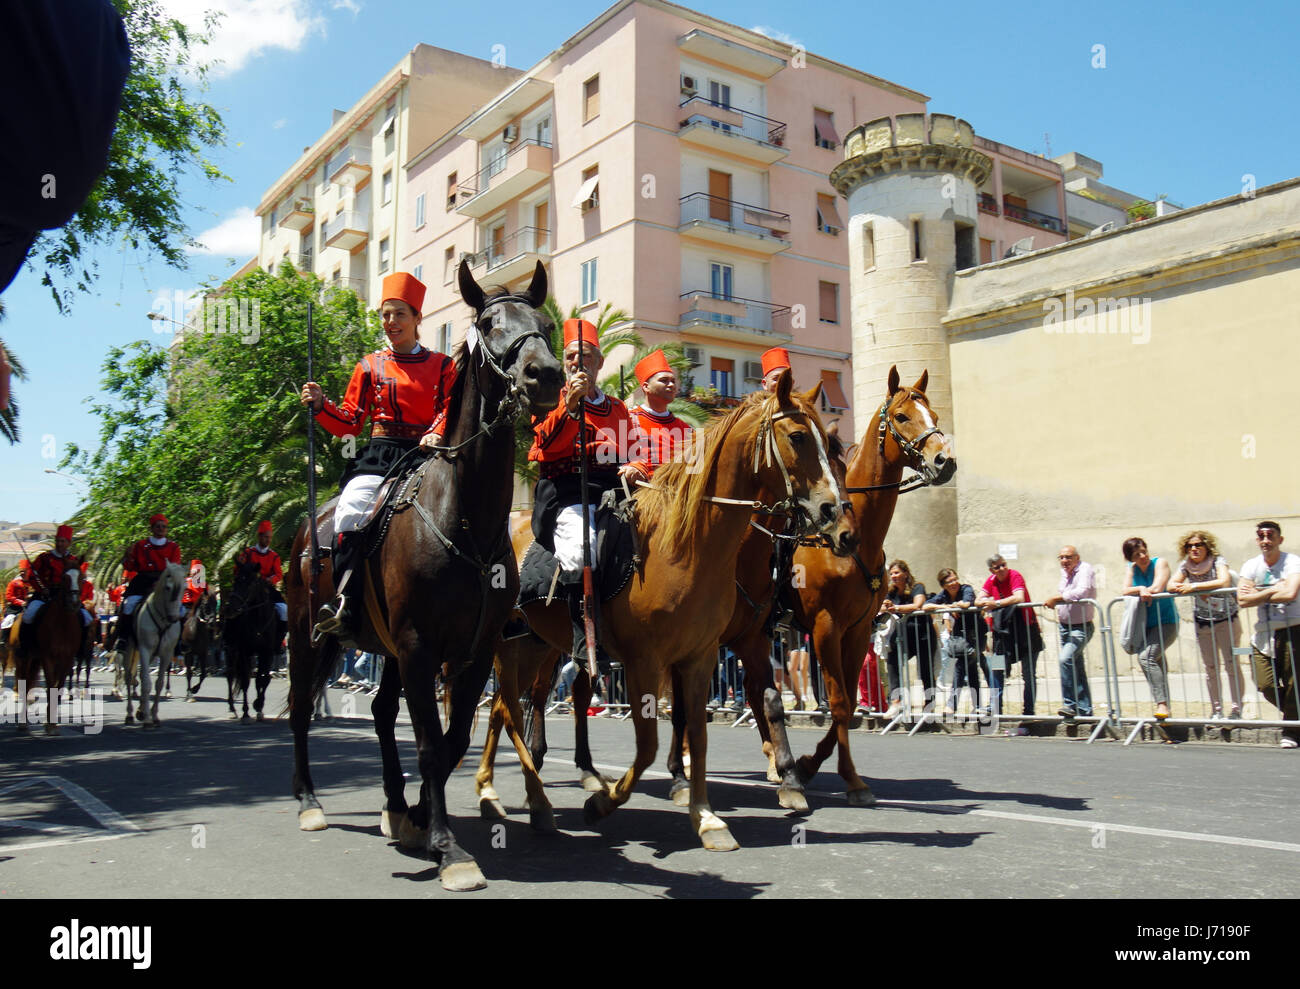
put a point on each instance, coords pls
(1189, 680)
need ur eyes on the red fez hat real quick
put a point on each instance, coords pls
(264, 526)
(195, 563)
(63, 532)
(775, 359)
(160, 517)
(85, 566)
(650, 365)
(407, 288)
(23, 565)
(572, 327)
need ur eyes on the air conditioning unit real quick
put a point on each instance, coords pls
(511, 134)
(753, 370)
(695, 355)
(689, 86)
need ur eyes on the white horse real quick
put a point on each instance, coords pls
(157, 628)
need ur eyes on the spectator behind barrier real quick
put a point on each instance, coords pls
(1218, 631)
(963, 638)
(1078, 583)
(906, 597)
(1016, 636)
(1270, 582)
(1147, 577)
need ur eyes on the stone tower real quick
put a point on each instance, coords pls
(911, 185)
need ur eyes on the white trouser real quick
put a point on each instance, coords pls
(355, 502)
(29, 613)
(568, 537)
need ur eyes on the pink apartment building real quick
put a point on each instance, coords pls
(676, 166)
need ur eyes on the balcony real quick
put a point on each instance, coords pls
(301, 215)
(739, 132)
(347, 230)
(351, 166)
(527, 163)
(514, 256)
(303, 261)
(744, 320)
(357, 285)
(987, 204)
(716, 49)
(724, 221)
(1028, 216)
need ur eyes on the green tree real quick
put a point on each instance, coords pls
(210, 430)
(9, 416)
(161, 134)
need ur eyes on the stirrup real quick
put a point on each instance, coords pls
(333, 622)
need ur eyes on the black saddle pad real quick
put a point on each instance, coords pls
(614, 553)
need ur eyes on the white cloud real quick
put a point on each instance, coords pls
(777, 34)
(249, 28)
(236, 236)
(279, 123)
(351, 5)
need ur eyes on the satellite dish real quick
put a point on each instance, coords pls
(1105, 228)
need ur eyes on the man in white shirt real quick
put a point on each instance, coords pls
(1271, 582)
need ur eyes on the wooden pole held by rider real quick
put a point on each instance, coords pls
(588, 591)
(311, 477)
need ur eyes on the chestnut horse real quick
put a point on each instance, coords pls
(53, 651)
(690, 525)
(441, 585)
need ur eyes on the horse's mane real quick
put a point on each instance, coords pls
(677, 498)
(460, 360)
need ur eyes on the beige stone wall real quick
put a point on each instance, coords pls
(1172, 412)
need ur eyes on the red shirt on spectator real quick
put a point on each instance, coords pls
(1004, 589)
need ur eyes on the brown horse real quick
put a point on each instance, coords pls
(836, 598)
(690, 526)
(53, 653)
(441, 585)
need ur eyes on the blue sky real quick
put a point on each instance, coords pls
(1192, 97)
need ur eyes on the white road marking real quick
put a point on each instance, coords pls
(113, 824)
(1218, 839)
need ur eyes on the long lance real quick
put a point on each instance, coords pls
(311, 478)
(588, 593)
(31, 567)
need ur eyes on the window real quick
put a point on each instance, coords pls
(588, 196)
(918, 245)
(387, 188)
(591, 98)
(589, 291)
(496, 239)
(385, 255)
(824, 135)
(833, 397)
(720, 96)
(448, 265)
(419, 211)
(336, 279)
(719, 196)
(828, 297)
(274, 209)
(722, 372)
(720, 280)
(828, 218)
(444, 338)
(543, 132)
(451, 192)
(496, 161)
(418, 272)
(390, 128)
(542, 227)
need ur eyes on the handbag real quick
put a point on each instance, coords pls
(1133, 628)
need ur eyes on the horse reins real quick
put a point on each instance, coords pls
(911, 449)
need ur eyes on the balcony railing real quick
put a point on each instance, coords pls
(351, 222)
(1030, 217)
(348, 156)
(743, 314)
(988, 204)
(524, 241)
(357, 285)
(740, 217)
(481, 180)
(729, 120)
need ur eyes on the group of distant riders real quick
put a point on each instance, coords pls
(404, 389)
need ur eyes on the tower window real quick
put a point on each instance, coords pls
(918, 246)
(868, 247)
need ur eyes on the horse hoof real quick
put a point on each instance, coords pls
(129, 720)
(312, 819)
(245, 720)
(593, 782)
(792, 799)
(167, 694)
(490, 808)
(22, 728)
(862, 798)
(409, 836)
(233, 716)
(772, 775)
(461, 877)
(191, 699)
(598, 806)
(681, 793)
(542, 818)
(714, 834)
(149, 725)
(261, 716)
(390, 823)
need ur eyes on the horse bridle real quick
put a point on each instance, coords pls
(925, 474)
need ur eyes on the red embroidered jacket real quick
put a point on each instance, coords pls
(49, 570)
(662, 437)
(610, 434)
(145, 557)
(405, 395)
(193, 591)
(268, 564)
(17, 592)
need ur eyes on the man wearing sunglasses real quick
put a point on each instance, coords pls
(1078, 583)
(1271, 582)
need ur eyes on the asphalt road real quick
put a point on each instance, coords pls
(201, 808)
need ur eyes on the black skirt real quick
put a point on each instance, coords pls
(377, 457)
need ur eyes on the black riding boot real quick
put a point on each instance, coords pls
(572, 584)
(26, 638)
(336, 618)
